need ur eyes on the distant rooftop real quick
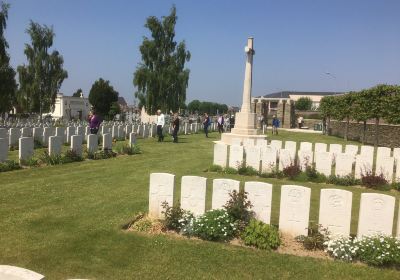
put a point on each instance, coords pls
(285, 94)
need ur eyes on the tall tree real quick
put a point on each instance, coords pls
(361, 111)
(102, 95)
(343, 110)
(77, 93)
(393, 106)
(326, 107)
(41, 79)
(8, 85)
(161, 78)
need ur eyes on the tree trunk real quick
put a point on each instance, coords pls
(329, 126)
(376, 132)
(364, 132)
(346, 131)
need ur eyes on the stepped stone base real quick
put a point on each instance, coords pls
(226, 138)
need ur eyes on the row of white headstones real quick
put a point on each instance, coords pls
(55, 137)
(376, 212)
(263, 156)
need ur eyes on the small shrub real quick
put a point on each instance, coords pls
(14, 148)
(314, 176)
(215, 168)
(396, 186)
(316, 238)
(215, 225)
(273, 174)
(379, 250)
(342, 248)
(238, 207)
(377, 182)
(175, 218)
(125, 149)
(48, 159)
(71, 156)
(247, 170)
(103, 154)
(348, 180)
(230, 170)
(291, 171)
(9, 165)
(37, 144)
(261, 235)
(31, 162)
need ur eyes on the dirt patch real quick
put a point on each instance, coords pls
(291, 247)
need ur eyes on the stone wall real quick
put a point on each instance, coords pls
(389, 135)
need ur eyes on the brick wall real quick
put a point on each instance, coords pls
(389, 135)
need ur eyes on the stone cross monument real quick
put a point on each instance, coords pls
(245, 120)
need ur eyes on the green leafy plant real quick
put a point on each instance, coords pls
(71, 156)
(37, 144)
(230, 170)
(215, 168)
(9, 165)
(31, 162)
(215, 225)
(303, 104)
(341, 248)
(261, 235)
(48, 159)
(314, 176)
(379, 250)
(238, 207)
(125, 149)
(348, 180)
(102, 154)
(317, 236)
(175, 218)
(247, 170)
(273, 174)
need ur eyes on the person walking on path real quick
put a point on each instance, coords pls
(300, 121)
(175, 126)
(160, 125)
(221, 122)
(94, 122)
(275, 125)
(206, 123)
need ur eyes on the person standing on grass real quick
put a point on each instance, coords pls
(221, 123)
(160, 125)
(175, 126)
(206, 123)
(94, 122)
(275, 125)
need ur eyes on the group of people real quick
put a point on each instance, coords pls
(161, 123)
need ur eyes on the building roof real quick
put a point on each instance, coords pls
(285, 94)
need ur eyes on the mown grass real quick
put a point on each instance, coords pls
(65, 222)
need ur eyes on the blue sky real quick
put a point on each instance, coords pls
(296, 42)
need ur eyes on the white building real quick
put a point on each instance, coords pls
(69, 108)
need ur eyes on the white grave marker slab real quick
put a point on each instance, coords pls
(320, 147)
(351, 149)
(292, 147)
(161, 190)
(376, 214)
(323, 163)
(220, 154)
(305, 146)
(236, 142)
(277, 144)
(235, 156)
(92, 143)
(335, 149)
(260, 196)
(268, 159)
(305, 159)
(25, 148)
(8, 272)
(253, 157)
(193, 194)
(363, 166)
(335, 211)
(3, 149)
(383, 152)
(367, 151)
(76, 144)
(294, 209)
(248, 142)
(55, 144)
(221, 190)
(384, 166)
(344, 164)
(285, 159)
(107, 141)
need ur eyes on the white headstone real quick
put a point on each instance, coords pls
(3, 133)
(367, 151)
(221, 190)
(351, 149)
(76, 144)
(292, 147)
(285, 159)
(248, 142)
(235, 156)
(320, 147)
(70, 131)
(344, 164)
(268, 159)
(260, 196)
(384, 166)
(55, 144)
(277, 144)
(306, 146)
(335, 149)
(80, 130)
(128, 129)
(383, 152)
(261, 142)
(38, 134)
(8, 272)
(161, 190)
(294, 209)
(132, 139)
(253, 157)
(335, 211)
(323, 163)
(121, 132)
(193, 194)
(14, 135)
(47, 132)
(220, 154)
(3, 149)
(25, 148)
(26, 132)
(92, 143)
(107, 141)
(376, 214)
(363, 166)
(114, 132)
(305, 159)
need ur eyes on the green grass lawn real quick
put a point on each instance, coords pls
(65, 222)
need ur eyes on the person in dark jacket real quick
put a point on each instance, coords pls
(206, 123)
(94, 122)
(175, 126)
(275, 125)
(221, 122)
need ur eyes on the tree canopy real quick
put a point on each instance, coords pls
(161, 78)
(8, 85)
(77, 93)
(303, 104)
(212, 108)
(102, 95)
(41, 79)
